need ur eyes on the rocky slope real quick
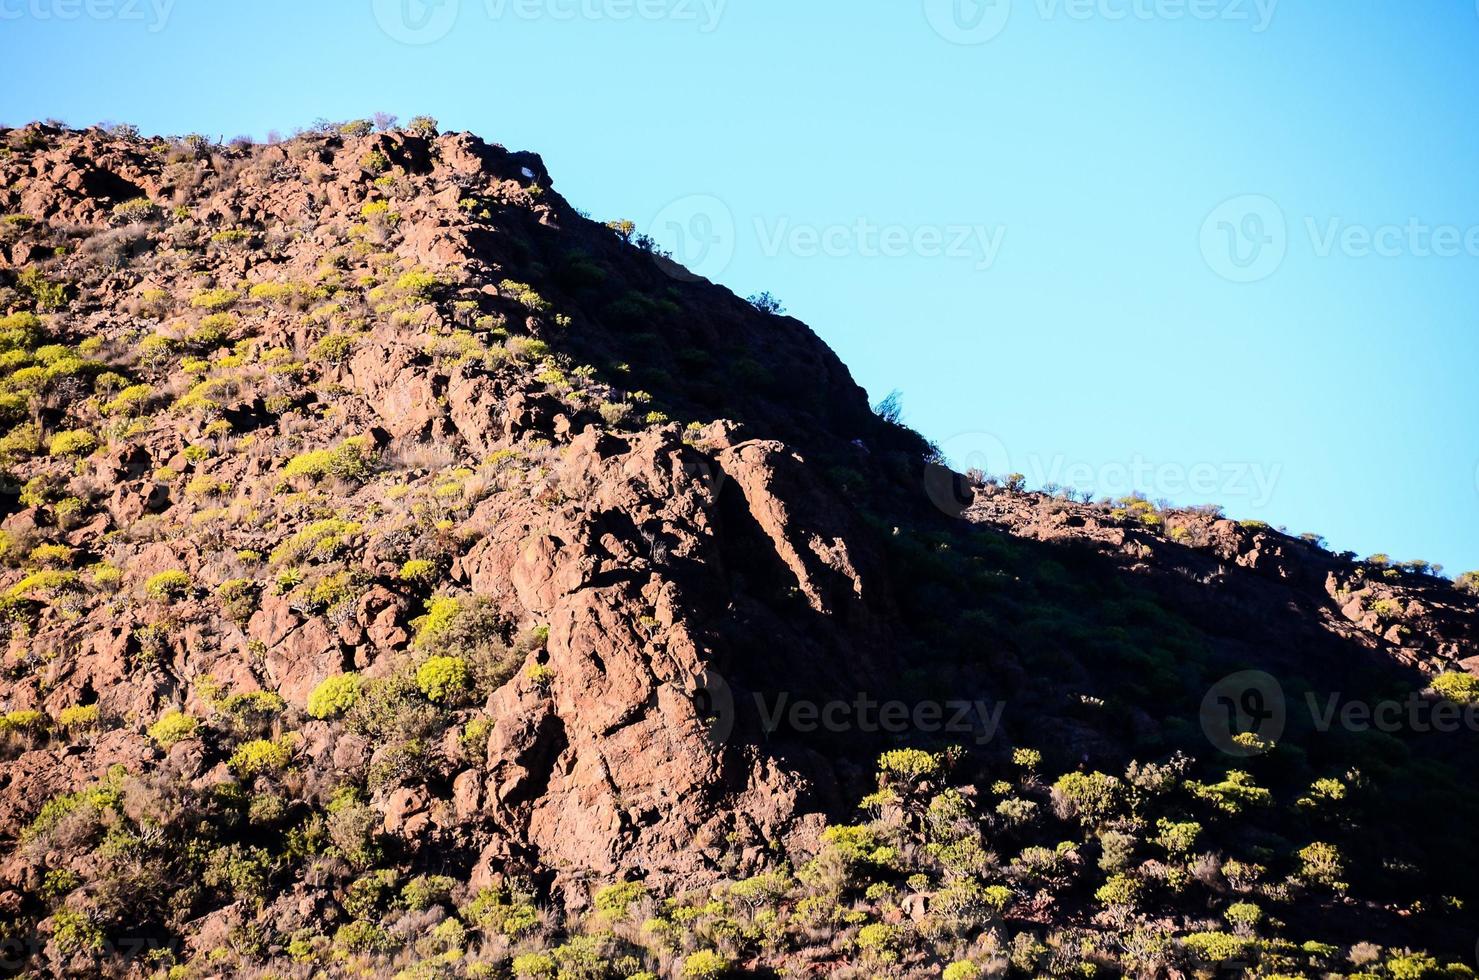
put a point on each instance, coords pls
(404, 573)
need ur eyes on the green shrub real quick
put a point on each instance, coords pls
(1322, 864)
(1234, 794)
(375, 162)
(909, 766)
(614, 902)
(238, 872)
(534, 966)
(350, 460)
(417, 284)
(74, 933)
(51, 555)
(425, 891)
(442, 679)
(1091, 797)
(1177, 838)
(130, 401)
(1244, 914)
(363, 938)
(168, 586)
(135, 210)
(335, 695)
(251, 706)
(1120, 889)
(334, 348)
(78, 716)
(705, 965)
(418, 570)
(423, 126)
(961, 970)
(19, 332)
(369, 895)
(215, 299)
(45, 294)
(524, 294)
(173, 727)
(74, 442)
(260, 756)
(23, 723)
(1218, 947)
(212, 331)
(1457, 687)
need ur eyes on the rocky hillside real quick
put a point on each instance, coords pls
(403, 574)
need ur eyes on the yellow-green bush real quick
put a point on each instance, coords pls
(51, 555)
(23, 723)
(78, 716)
(215, 299)
(705, 964)
(74, 442)
(334, 348)
(418, 570)
(442, 679)
(1457, 687)
(534, 966)
(350, 460)
(335, 695)
(614, 902)
(173, 727)
(168, 586)
(130, 401)
(136, 209)
(260, 756)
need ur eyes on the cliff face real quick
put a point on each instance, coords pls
(374, 516)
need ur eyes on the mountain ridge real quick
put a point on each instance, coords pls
(387, 520)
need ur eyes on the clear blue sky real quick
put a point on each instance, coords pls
(1086, 147)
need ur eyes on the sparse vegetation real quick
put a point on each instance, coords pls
(286, 512)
